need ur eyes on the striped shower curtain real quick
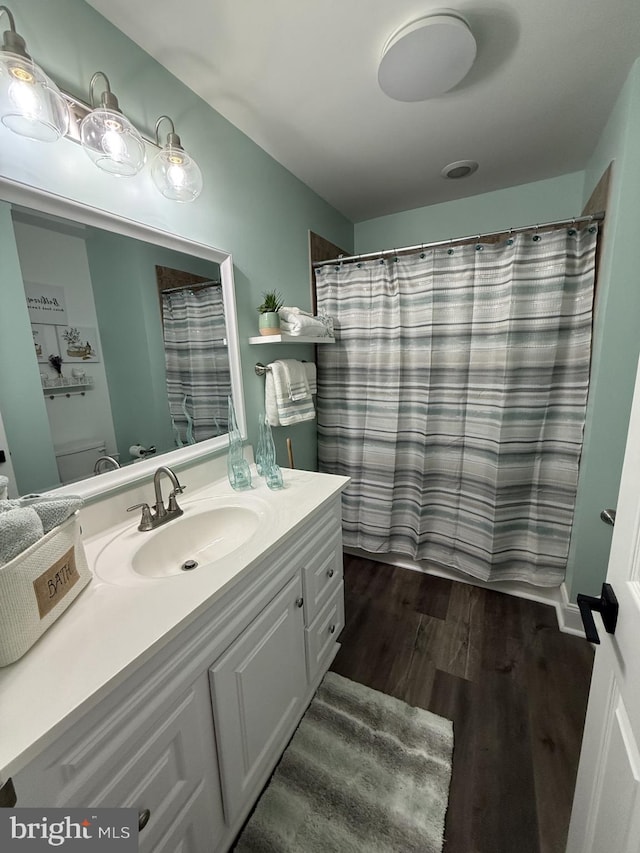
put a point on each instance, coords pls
(197, 363)
(455, 400)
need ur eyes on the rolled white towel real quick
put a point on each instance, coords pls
(302, 325)
(4, 487)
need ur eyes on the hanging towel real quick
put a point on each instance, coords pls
(279, 408)
(20, 527)
(296, 379)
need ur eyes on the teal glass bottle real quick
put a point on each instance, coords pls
(237, 466)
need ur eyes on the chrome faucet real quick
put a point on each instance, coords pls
(105, 463)
(152, 518)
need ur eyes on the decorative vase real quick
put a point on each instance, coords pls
(270, 469)
(237, 466)
(269, 323)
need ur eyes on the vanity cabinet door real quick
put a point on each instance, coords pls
(258, 687)
(162, 760)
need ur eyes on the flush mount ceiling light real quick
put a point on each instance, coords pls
(459, 169)
(427, 58)
(108, 137)
(30, 103)
(174, 172)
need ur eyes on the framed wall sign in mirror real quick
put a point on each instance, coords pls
(123, 343)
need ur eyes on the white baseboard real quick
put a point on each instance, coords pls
(567, 614)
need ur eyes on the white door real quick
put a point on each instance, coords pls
(606, 806)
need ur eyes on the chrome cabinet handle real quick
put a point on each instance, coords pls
(330, 573)
(299, 601)
(143, 818)
(332, 629)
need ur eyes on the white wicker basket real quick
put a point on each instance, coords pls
(38, 585)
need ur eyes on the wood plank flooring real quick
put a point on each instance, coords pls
(515, 687)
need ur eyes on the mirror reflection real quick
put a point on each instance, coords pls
(129, 341)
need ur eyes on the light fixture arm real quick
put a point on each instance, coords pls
(108, 100)
(173, 140)
(11, 40)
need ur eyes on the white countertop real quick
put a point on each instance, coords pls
(113, 628)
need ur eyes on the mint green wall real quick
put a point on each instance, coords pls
(527, 204)
(21, 398)
(251, 206)
(616, 341)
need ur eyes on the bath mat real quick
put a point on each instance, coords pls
(363, 772)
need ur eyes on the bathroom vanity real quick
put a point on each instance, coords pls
(175, 692)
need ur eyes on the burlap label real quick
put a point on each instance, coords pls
(52, 585)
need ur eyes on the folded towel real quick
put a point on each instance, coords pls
(20, 527)
(51, 509)
(295, 377)
(293, 321)
(279, 408)
(4, 487)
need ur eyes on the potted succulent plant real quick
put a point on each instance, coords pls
(269, 320)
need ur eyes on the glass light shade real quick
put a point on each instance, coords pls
(30, 102)
(176, 174)
(112, 142)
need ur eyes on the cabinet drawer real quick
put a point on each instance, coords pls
(321, 636)
(321, 574)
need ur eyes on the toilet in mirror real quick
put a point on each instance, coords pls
(123, 346)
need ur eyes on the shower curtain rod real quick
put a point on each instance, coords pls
(594, 217)
(191, 286)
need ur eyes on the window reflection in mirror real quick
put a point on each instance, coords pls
(141, 334)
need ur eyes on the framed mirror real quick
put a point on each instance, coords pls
(125, 345)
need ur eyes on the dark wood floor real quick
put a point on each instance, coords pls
(515, 687)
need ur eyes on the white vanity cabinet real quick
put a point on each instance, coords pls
(258, 687)
(154, 751)
(194, 733)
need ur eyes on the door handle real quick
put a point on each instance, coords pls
(606, 605)
(608, 516)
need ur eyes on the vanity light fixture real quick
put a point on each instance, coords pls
(108, 137)
(174, 172)
(30, 102)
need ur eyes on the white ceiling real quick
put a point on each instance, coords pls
(300, 79)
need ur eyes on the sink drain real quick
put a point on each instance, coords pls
(188, 565)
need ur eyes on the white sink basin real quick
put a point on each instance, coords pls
(208, 531)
